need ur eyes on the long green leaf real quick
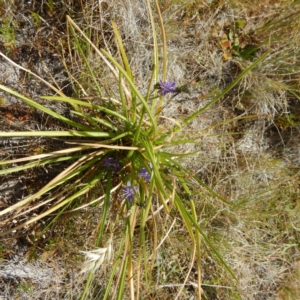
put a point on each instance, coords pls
(57, 133)
(122, 51)
(127, 67)
(40, 107)
(81, 192)
(86, 61)
(93, 121)
(217, 98)
(127, 77)
(86, 104)
(184, 212)
(37, 164)
(73, 170)
(105, 209)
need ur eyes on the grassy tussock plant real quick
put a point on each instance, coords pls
(123, 143)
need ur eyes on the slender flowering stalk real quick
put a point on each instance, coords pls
(129, 192)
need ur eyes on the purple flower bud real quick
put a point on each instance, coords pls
(167, 87)
(129, 192)
(111, 164)
(144, 174)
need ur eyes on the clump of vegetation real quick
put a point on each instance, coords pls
(180, 195)
(7, 33)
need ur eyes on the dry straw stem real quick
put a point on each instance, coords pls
(110, 66)
(53, 183)
(33, 74)
(164, 41)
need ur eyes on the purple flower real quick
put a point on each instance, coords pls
(144, 174)
(167, 87)
(111, 164)
(129, 192)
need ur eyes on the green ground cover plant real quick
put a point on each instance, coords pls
(124, 159)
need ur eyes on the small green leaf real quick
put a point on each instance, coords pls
(240, 23)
